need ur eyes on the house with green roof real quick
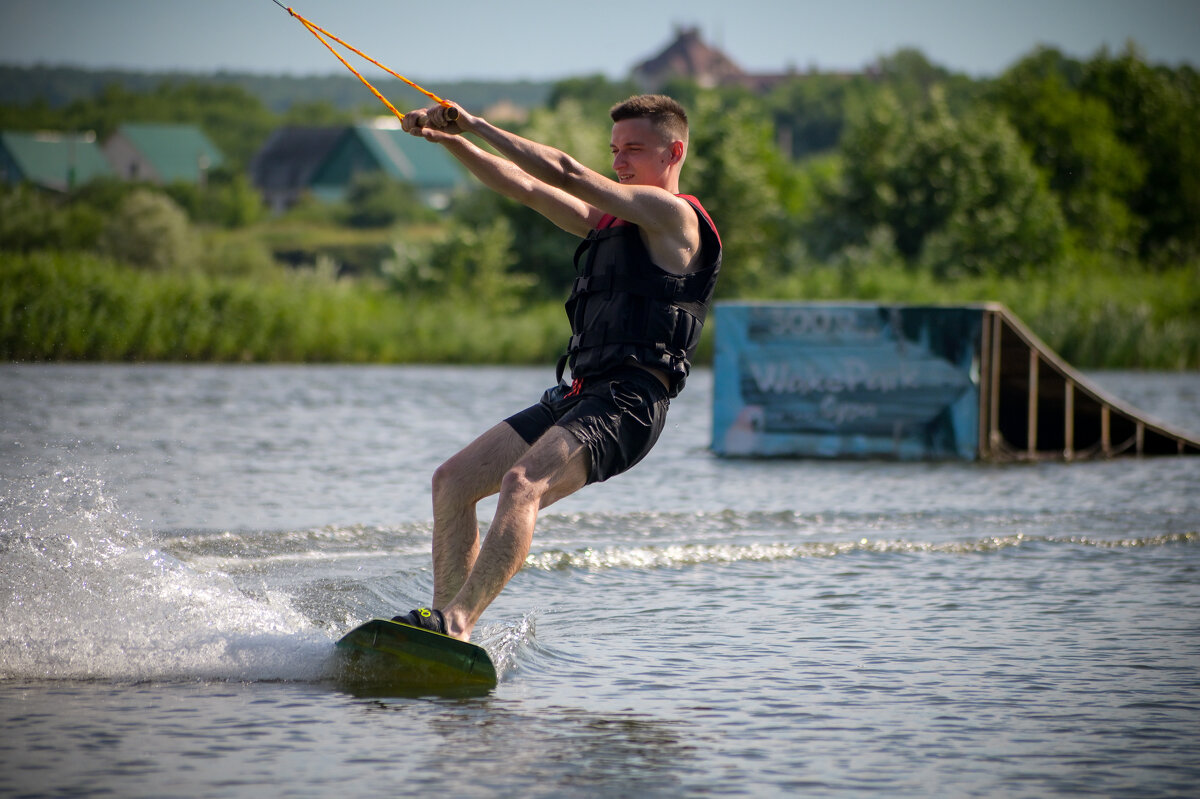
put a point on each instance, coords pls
(162, 153)
(324, 160)
(52, 160)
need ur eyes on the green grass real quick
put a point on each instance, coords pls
(70, 306)
(76, 306)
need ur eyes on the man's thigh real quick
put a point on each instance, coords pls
(559, 462)
(476, 469)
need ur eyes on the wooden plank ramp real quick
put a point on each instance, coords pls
(1036, 406)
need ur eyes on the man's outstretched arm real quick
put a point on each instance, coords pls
(505, 176)
(652, 208)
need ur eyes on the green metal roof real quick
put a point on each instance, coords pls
(46, 158)
(175, 151)
(411, 159)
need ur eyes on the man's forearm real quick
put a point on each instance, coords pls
(495, 172)
(517, 172)
(547, 164)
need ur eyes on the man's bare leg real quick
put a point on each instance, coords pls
(458, 485)
(554, 467)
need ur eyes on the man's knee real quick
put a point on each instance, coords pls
(448, 482)
(517, 487)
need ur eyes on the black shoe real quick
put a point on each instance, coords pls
(425, 619)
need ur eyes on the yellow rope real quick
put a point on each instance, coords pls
(317, 30)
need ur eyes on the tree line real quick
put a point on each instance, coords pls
(1058, 166)
(1055, 163)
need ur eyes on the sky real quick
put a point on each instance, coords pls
(551, 39)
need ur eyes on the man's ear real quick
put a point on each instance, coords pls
(677, 150)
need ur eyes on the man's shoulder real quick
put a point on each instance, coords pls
(694, 201)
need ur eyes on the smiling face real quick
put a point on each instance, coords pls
(643, 156)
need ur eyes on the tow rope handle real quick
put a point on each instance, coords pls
(317, 30)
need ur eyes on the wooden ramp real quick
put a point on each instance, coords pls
(1034, 405)
(859, 380)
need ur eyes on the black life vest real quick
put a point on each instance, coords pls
(625, 307)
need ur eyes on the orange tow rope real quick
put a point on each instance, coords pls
(317, 30)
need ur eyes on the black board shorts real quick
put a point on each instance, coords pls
(618, 416)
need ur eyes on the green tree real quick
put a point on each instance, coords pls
(809, 111)
(105, 194)
(236, 203)
(37, 115)
(916, 81)
(744, 182)
(375, 200)
(960, 196)
(595, 94)
(1157, 113)
(317, 112)
(1074, 140)
(234, 119)
(226, 199)
(542, 250)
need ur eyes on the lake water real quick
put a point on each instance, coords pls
(181, 545)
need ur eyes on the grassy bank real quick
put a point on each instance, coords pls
(72, 306)
(80, 307)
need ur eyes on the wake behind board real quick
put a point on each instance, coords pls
(412, 657)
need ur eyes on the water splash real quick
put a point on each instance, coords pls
(87, 597)
(514, 646)
(506, 642)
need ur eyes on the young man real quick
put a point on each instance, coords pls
(648, 267)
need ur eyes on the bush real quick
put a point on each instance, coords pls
(28, 220)
(229, 254)
(149, 230)
(31, 219)
(227, 199)
(469, 264)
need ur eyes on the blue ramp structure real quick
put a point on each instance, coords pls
(855, 380)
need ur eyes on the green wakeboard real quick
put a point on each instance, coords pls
(391, 652)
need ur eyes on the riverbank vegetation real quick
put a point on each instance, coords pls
(85, 307)
(1068, 190)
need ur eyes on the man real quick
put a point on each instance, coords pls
(648, 267)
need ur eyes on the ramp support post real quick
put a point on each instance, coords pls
(1032, 424)
(1069, 420)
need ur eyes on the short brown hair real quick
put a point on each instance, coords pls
(665, 113)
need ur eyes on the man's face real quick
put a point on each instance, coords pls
(640, 154)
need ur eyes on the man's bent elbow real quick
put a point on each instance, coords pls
(564, 172)
(573, 170)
